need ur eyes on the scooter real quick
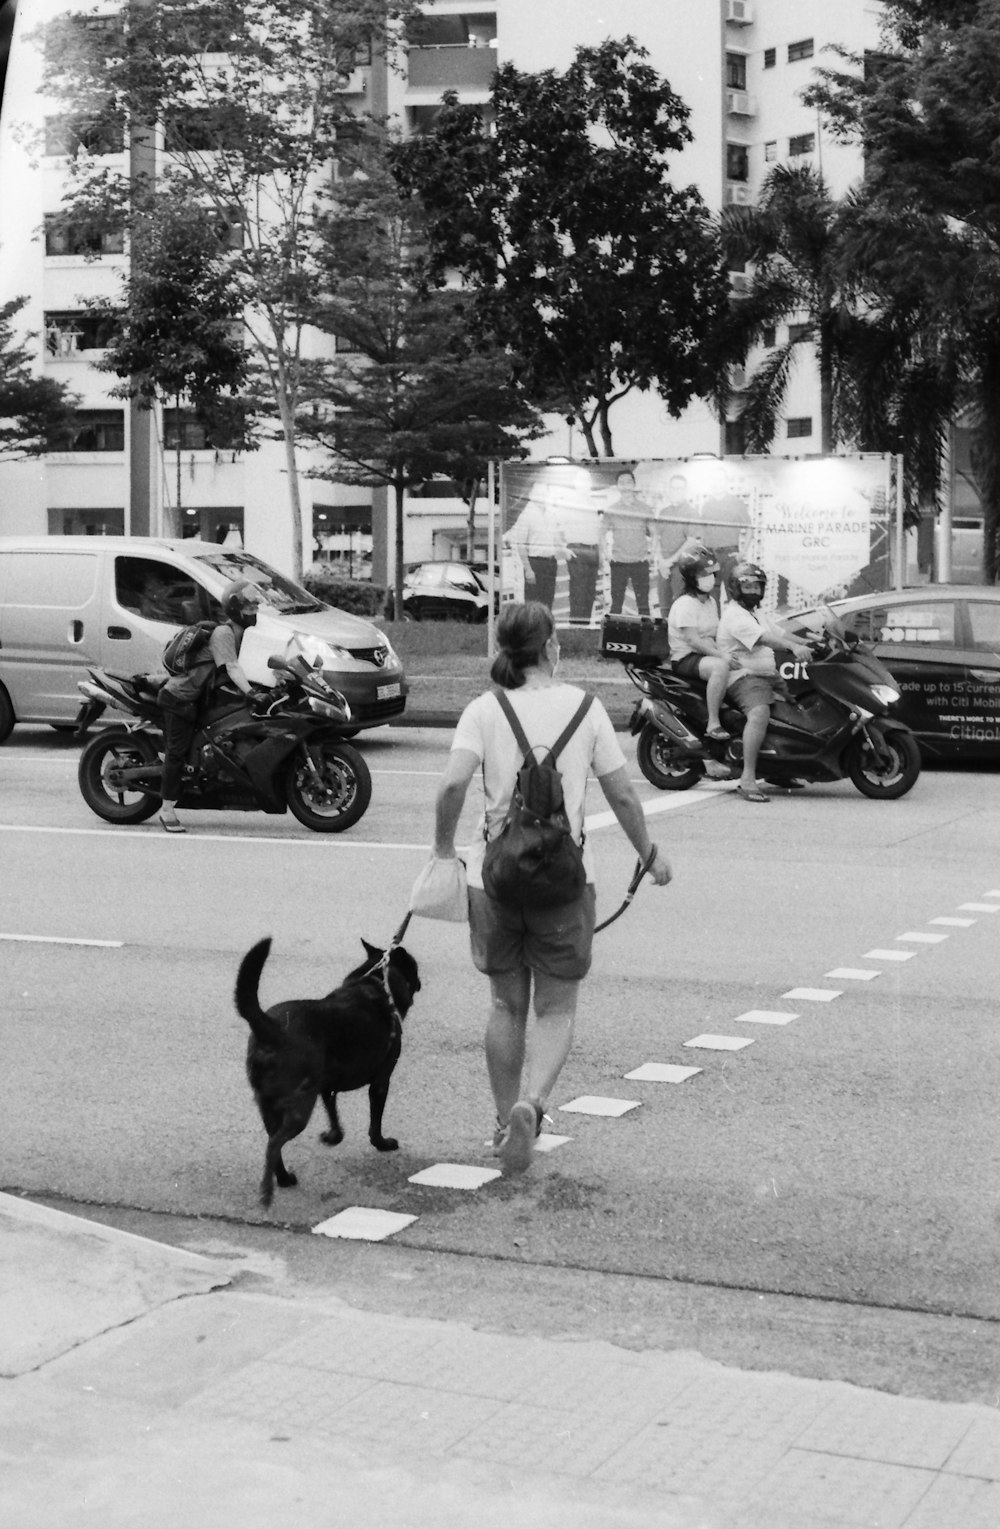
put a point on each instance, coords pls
(286, 750)
(835, 726)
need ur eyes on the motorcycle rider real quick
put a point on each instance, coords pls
(180, 697)
(749, 642)
(691, 627)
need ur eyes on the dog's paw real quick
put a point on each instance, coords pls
(287, 1180)
(332, 1138)
(384, 1143)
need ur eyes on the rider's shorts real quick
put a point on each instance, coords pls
(554, 941)
(686, 668)
(752, 690)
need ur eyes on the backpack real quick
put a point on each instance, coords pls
(186, 649)
(534, 860)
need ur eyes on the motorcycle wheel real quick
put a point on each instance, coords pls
(889, 775)
(6, 716)
(101, 754)
(662, 764)
(341, 795)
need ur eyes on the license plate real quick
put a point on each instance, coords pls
(388, 692)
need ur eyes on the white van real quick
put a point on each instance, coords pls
(67, 602)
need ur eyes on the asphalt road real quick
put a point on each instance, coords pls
(848, 1158)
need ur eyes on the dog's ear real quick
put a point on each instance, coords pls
(372, 951)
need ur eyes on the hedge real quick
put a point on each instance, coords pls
(359, 596)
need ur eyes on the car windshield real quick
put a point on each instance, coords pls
(281, 594)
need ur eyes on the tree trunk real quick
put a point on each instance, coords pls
(587, 426)
(825, 358)
(471, 532)
(397, 582)
(987, 463)
(177, 410)
(287, 417)
(603, 421)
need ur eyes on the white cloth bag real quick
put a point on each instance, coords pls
(440, 891)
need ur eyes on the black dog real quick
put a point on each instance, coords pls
(309, 1048)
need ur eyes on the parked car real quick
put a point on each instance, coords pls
(452, 591)
(942, 644)
(70, 602)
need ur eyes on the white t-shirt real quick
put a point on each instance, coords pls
(688, 611)
(739, 637)
(543, 712)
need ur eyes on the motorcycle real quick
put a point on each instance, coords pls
(286, 750)
(835, 726)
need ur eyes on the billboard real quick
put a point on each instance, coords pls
(603, 537)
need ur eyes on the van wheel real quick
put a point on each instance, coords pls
(105, 753)
(6, 716)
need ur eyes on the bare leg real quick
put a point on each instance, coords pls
(753, 736)
(716, 673)
(550, 1036)
(505, 1037)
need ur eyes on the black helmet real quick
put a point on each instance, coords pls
(239, 601)
(746, 583)
(694, 564)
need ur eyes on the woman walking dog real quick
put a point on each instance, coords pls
(532, 954)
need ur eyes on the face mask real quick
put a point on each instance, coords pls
(706, 583)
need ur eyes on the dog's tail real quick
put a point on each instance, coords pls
(247, 984)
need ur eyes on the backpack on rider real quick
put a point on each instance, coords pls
(534, 861)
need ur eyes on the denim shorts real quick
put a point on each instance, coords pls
(757, 690)
(554, 941)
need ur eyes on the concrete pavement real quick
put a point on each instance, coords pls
(142, 1386)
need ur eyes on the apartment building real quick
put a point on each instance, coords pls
(739, 64)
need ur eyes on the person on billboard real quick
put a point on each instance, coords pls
(675, 535)
(628, 525)
(538, 539)
(692, 626)
(749, 642)
(572, 495)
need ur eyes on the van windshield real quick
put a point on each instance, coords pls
(281, 594)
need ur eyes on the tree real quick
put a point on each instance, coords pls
(176, 330)
(247, 98)
(411, 394)
(926, 112)
(559, 214)
(34, 411)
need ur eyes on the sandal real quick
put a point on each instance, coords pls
(751, 796)
(718, 735)
(171, 825)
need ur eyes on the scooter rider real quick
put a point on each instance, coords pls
(181, 695)
(749, 642)
(691, 627)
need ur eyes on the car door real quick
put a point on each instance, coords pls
(919, 642)
(980, 728)
(464, 594)
(148, 599)
(49, 629)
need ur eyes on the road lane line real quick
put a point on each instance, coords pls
(60, 939)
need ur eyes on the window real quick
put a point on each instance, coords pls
(202, 129)
(800, 427)
(184, 430)
(65, 238)
(94, 135)
(345, 346)
(768, 336)
(799, 50)
(736, 71)
(157, 592)
(737, 162)
(798, 332)
(95, 430)
(804, 143)
(67, 333)
(229, 225)
(770, 57)
(771, 151)
(930, 624)
(736, 438)
(984, 626)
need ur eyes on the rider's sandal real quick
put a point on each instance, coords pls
(718, 735)
(172, 825)
(751, 796)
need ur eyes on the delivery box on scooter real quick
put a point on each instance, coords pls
(635, 639)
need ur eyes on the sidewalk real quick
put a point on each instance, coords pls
(141, 1389)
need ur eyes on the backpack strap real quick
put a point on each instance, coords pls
(564, 737)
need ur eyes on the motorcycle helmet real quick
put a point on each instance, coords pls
(694, 565)
(239, 601)
(746, 583)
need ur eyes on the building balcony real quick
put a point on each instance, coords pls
(451, 68)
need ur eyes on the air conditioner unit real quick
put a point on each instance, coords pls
(739, 103)
(352, 84)
(739, 283)
(738, 196)
(739, 12)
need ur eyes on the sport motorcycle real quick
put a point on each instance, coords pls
(836, 724)
(285, 750)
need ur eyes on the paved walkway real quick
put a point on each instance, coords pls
(143, 1389)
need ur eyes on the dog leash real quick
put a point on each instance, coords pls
(640, 870)
(633, 887)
